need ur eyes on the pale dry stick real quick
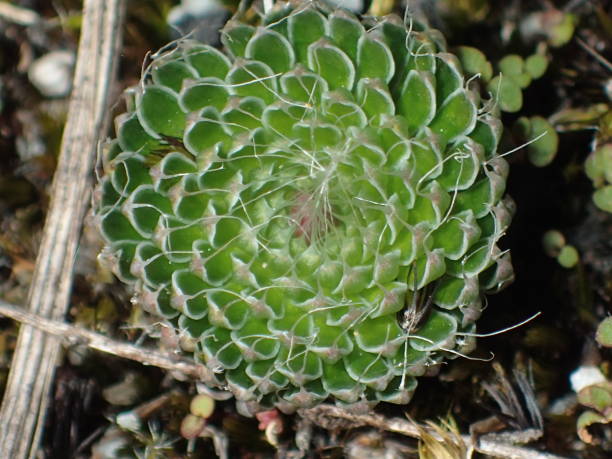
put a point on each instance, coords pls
(18, 15)
(73, 334)
(490, 444)
(597, 56)
(27, 392)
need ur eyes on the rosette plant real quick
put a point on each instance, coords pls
(318, 204)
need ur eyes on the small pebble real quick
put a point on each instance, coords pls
(51, 74)
(586, 376)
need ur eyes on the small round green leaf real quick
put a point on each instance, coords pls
(543, 151)
(604, 332)
(568, 256)
(603, 198)
(553, 241)
(474, 62)
(507, 93)
(536, 65)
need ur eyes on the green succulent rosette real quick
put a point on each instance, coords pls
(318, 204)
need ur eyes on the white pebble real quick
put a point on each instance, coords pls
(586, 376)
(51, 74)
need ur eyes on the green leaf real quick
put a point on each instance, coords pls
(478, 198)
(421, 54)
(205, 132)
(427, 269)
(340, 384)
(368, 368)
(304, 86)
(381, 334)
(220, 350)
(536, 65)
(342, 111)
(208, 61)
(305, 28)
(375, 99)
(398, 391)
(243, 115)
(507, 93)
(189, 295)
(553, 241)
(438, 331)
(279, 119)
(562, 30)
(172, 74)
(160, 113)
(394, 33)
(332, 343)
(144, 208)
(264, 374)
(374, 59)
(202, 405)
(417, 100)
(487, 133)
(586, 420)
(272, 48)
(152, 265)
(206, 92)
(604, 332)
(454, 292)
(332, 64)
(456, 117)
(131, 135)
(598, 165)
(129, 171)
(448, 76)
(603, 198)
(461, 166)
(456, 235)
(235, 36)
(253, 78)
(345, 31)
(474, 62)
(543, 151)
(597, 396)
(511, 65)
(116, 227)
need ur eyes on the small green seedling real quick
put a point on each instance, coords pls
(541, 138)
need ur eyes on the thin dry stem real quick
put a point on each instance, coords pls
(490, 444)
(77, 335)
(18, 15)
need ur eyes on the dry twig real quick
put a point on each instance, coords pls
(491, 444)
(32, 370)
(77, 335)
(18, 15)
